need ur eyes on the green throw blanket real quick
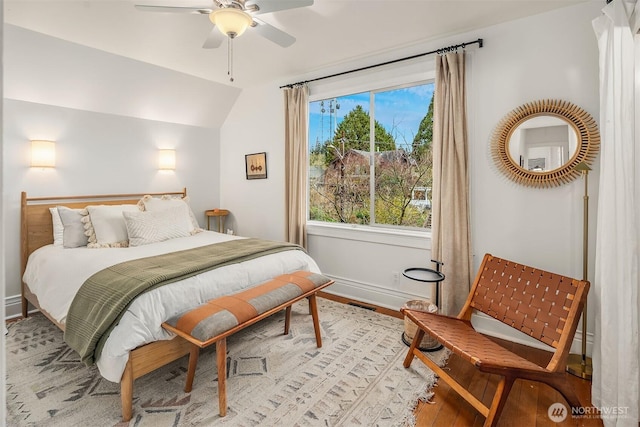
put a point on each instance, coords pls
(104, 297)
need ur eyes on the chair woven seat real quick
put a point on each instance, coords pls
(460, 337)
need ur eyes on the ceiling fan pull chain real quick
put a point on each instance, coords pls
(230, 59)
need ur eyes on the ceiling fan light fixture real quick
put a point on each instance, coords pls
(230, 21)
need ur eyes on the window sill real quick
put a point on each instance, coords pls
(362, 233)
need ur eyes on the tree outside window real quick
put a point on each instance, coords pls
(387, 182)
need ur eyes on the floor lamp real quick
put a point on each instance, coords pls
(579, 364)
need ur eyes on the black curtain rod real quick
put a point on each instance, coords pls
(441, 50)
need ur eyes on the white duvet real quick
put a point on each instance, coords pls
(55, 274)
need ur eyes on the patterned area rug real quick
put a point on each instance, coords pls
(355, 379)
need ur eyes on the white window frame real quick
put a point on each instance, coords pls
(380, 80)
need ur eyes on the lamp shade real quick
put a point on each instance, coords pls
(167, 160)
(230, 21)
(43, 154)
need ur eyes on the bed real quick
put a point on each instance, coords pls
(53, 274)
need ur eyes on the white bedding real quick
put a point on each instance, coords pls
(54, 274)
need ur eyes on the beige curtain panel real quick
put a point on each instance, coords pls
(296, 116)
(450, 216)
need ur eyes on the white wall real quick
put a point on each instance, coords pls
(47, 70)
(552, 55)
(254, 125)
(108, 116)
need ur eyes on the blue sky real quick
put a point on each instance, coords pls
(399, 111)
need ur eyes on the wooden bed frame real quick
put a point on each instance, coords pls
(36, 230)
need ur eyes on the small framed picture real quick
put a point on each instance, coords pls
(256, 165)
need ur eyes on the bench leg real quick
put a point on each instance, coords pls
(287, 320)
(221, 361)
(313, 306)
(126, 392)
(193, 363)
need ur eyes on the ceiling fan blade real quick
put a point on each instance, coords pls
(174, 9)
(214, 39)
(270, 32)
(268, 6)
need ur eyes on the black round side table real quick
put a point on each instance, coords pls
(427, 275)
(422, 274)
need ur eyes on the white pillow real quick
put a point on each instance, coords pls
(58, 228)
(145, 227)
(105, 226)
(149, 203)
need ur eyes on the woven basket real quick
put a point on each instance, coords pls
(410, 328)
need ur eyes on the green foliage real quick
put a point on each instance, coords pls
(353, 133)
(317, 149)
(316, 159)
(395, 183)
(317, 213)
(424, 138)
(397, 212)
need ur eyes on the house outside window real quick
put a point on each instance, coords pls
(370, 157)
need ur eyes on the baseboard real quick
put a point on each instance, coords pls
(12, 307)
(370, 293)
(394, 299)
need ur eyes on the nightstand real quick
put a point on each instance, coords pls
(216, 213)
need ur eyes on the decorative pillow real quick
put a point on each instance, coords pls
(73, 229)
(149, 203)
(58, 228)
(105, 226)
(146, 227)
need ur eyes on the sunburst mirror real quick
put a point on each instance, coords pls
(539, 144)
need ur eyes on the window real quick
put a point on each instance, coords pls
(370, 157)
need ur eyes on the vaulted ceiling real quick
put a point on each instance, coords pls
(327, 33)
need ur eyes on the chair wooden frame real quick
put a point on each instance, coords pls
(544, 305)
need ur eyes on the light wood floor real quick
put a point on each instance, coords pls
(526, 406)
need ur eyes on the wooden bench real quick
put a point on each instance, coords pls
(543, 305)
(219, 318)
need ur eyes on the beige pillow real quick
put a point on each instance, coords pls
(149, 203)
(145, 227)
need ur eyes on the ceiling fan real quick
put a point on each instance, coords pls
(233, 17)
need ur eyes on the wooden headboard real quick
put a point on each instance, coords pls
(36, 226)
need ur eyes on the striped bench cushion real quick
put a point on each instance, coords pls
(224, 313)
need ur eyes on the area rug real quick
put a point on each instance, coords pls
(355, 379)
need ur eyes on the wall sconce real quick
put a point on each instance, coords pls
(43, 154)
(167, 160)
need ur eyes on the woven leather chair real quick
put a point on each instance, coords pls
(544, 305)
